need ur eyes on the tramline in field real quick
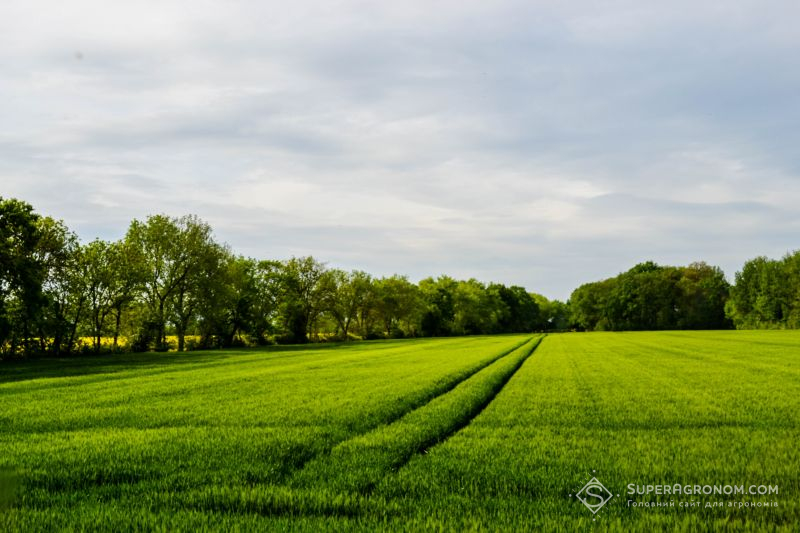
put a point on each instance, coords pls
(469, 433)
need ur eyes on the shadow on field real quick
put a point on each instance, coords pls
(84, 365)
(56, 367)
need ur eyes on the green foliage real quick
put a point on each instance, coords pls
(767, 294)
(179, 259)
(469, 307)
(169, 285)
(64, 288)
(227, 301)
(21, 273)
(554, 314)
(350, 300)
(652, 297)
(168, 279)
(520, 310)
(305, 288)
(397, 306)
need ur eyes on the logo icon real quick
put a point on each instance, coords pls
(594, 495)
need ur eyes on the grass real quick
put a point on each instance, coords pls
(643, 408)
(143, 430)
(485, 433)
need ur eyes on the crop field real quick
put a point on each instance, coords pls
(475, 433)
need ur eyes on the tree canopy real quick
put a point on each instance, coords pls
(168, 284)
(653, 297)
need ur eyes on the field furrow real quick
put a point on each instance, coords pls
(626, 408)
(468, 434)
(441, 388)
(165, 427)
(338, 484)
(357, 464)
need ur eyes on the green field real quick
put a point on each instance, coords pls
(481, 433)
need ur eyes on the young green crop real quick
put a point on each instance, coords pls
(640, 408)
(330, 438)
(357, 464)
(142, 430)
(339, 483)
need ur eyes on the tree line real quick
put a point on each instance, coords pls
(168, 284)
(765, 295)
(653, 297)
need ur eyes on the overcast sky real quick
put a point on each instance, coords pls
(543, 144)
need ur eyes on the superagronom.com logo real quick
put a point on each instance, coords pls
(594, 495)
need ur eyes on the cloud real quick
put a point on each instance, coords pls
(535, 143)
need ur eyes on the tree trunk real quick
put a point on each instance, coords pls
(56, 347)
(97, 332)
(13, 347)
(116, 326)
(161, 343)
(74, 329)
(42, 339)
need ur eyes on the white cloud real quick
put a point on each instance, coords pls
(536, 143)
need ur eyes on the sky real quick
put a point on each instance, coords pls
(542, 144)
